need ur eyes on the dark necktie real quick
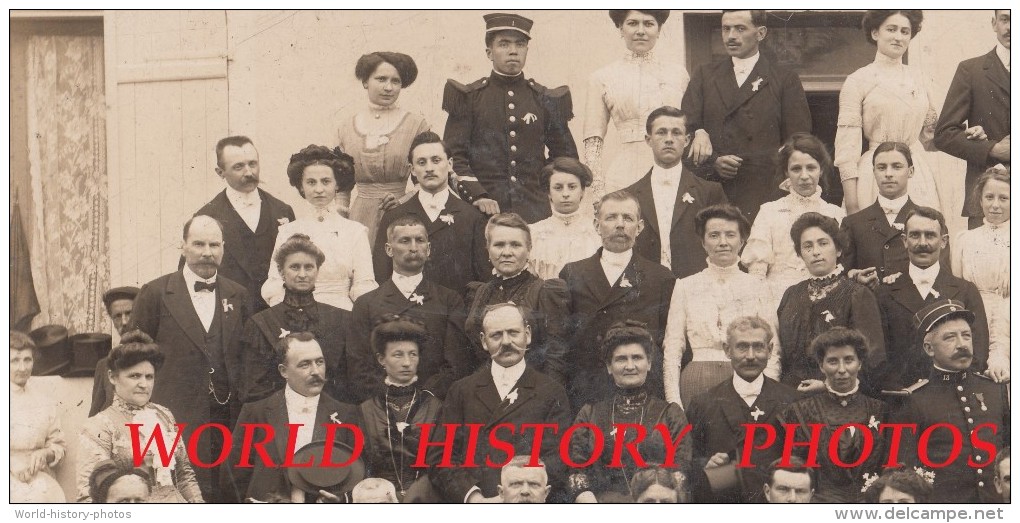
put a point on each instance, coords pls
(203, 286)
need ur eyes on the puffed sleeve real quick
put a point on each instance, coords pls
(458, 138)
(596, 110)
(363, 274)
(849, 126)
(560, 109)
(956, 256)
(759, 255)
(95, 444)
(927, 134)
(675, 342)
(186, 482)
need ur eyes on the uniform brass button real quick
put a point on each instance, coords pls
(981, 483)
(886, 246)
(511, 106)
(963, 398)
(513, 134)
(513, 178)
(970, 420)
(513, 119)
(959, 388)
(513, 163)
(966, 409)
(509, 93)
(513, 148)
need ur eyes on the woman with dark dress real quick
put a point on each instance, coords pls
(849, 420)
(825, 300)
(627, 352)
(392, 420)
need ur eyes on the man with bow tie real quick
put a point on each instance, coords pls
(925, 281)
(718, 417)
(195, 315)
(614, 285)
(670, 197)
(301, 402)
(741, 110)
(456, 230)
(446, 356)
(954, 396)
(250, 217)
(507, 391)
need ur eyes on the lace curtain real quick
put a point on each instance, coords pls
(67, 158)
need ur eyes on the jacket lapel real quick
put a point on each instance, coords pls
(323, 412)
(234, 227)
(178, 302)
(265, 215)
(525, 388)
(904, 292)
(627, 283)
(725, 81)
(276, 415)
(395, 301)
(751, 86)
(996, 72)
(594, 276)
(733, 408)
(946, 285)
(643, 193)
(878, 223)
(485, 387)
(686, 187)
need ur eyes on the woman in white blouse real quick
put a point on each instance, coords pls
(319, 174)
(981, 256)
(769, 255)
(626, 91)
(569, 234)
(886, 101)
(704, 304)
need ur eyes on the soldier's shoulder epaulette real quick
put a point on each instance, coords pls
(473, 86)
(558, 92)
(454, 92)
(982, 376)
(537, 87)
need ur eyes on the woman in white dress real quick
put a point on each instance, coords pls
(981, 256)
(886, 101)
(769, 254)
(626, 91)
(319, 174)
(37, 443)
(569, 234)
(704, 304)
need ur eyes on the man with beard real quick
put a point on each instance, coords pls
(195, 315)
(521, 483)
(508, 391)
(614, 285)
(924, 283)
(975, 408)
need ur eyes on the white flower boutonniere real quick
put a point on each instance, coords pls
(898, 226)
(625, 283)
(687, 198)
(890, 279)
(873, 422)
(827, 315)
(530, 118)
(447, 218)
(512, 397)
(417, 298)
(284, 333)
(755, 85)
(935, 294)
(401, 425)
(283, 221)
(227, 306)
(335, 418)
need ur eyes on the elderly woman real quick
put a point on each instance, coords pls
(627, 352)
(378, 135)
(392, 420)
(851, 452)
(37, 443)
(981, 256)
(900, 486)
(886, 101)
(298, 260)
(105, 436)
(319, 174)
(802, 162)
(625, 92)
(508, 240)
(704, 304)
(115, 482)
(568, 235)
(825, 300)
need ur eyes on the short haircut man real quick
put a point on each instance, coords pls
(1002, 474)
(794, 483)
(519, 482)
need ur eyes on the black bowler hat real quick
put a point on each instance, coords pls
(507, 22)
(86, 351)
(53, 350)
(927, 318)
(119, 293)
(338, 480)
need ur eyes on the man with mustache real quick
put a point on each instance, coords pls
(301, 402)
(956, 396)
(195, 315)
(446, 356)
(522, 483)
(614, 285)
(741, 110)
(507, 391)
(456, 230)
(119, 303)
(718, 417)
(925, 282)
(979, 96)
(250, 217)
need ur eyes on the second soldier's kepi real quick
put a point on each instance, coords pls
(507, 22)
(927, 318)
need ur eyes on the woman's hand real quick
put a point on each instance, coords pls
(717, 460)
(811, 386)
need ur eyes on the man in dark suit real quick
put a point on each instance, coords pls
(956, 396)
(250, 217)
(874, 245)
(719, 416)
(301, 402)
(500, 126)
(446, 356)
(456, 230)
(195, 315)
(614, 285)
(979, 95)
(508, 391)
(671, 197)
(741, 111)
(119, 303)
(924, 282)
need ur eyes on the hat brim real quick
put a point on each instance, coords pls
(508, 28)
(948, 315)
(333, 479)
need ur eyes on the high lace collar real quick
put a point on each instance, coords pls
(329, 210)
(298, 299)
(796, 200)
(123, 406)
(631, 396)
(721, 271)
(998, 229)
(632, 57)
(393, 387)
(828, 278)
(568, 219)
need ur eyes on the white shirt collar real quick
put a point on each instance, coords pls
(897, 204)
(668, 177)
(297, 401)
(748, 388)
(437, 200)
(745, 64)
(1002, 227)
(916, 273)
(619, 259)
(388, 381)
(190, 278)
(407, 284)
(1003, 54)
(509, 375)
(716, 269)
(241, 199)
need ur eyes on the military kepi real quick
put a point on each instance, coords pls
(507, 22)
(939, 311)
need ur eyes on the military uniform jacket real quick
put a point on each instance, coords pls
(872, 242)
(458, 252)
(498, 131)
(905, 358)
(966, 401)
(979, 95)
(247, 254)
(718, 417)
(751, 121)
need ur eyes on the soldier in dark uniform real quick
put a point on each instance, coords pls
(954, 395)
(500, 126)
